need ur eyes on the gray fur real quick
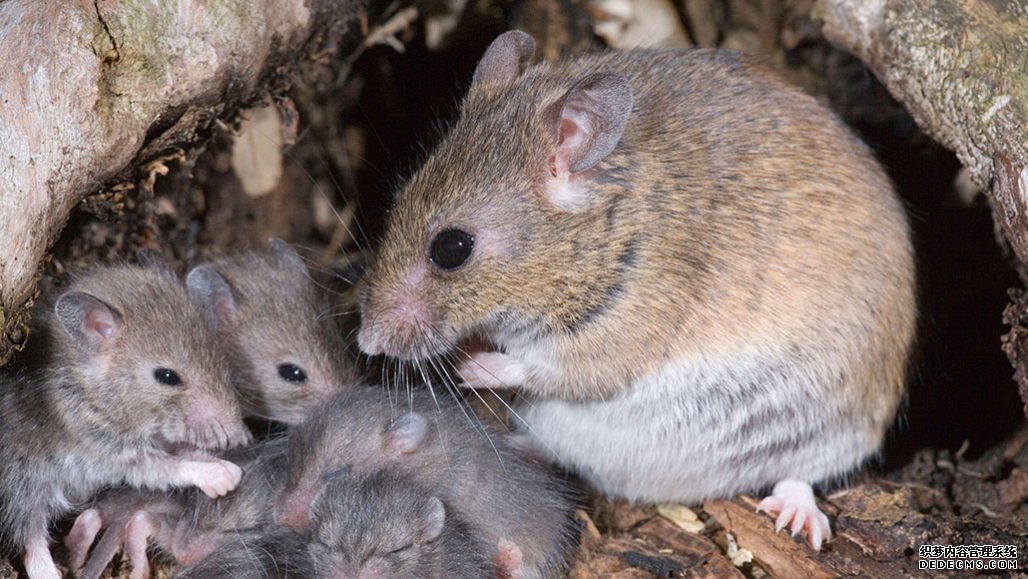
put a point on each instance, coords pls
(96, 417)
(470, 466)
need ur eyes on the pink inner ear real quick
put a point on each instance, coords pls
(575, 131)
(294, 510)
(99, 321)
(224, 309)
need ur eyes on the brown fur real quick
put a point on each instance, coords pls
(736, 219)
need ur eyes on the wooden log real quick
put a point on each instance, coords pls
(91, 90)
(961, 69)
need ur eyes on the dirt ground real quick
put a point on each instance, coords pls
(955, 469)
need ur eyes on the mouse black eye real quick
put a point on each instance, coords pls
(451, 248)
(167, 376)
(292, 373)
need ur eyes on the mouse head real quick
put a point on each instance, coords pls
(380, 526)
(286, 346)
(151, 367)
(509, 224)
(356, 431)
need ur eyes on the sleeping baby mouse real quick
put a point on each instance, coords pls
(134, 391)
(513, 504)
(700, 280)
(383, 525)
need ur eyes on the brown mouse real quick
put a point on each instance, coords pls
(285, 342)
(134, 392)
(701, 281)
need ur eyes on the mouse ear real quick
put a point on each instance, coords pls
(433, 517)
(590, 120)
(212, 293)
(286, 256)
(87, 320)
(406, 433)
(295, 507)
(505, 58)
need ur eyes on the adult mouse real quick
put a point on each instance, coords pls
(133, 392)
(701, 281)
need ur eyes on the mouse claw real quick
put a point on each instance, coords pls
(794, 504)
(82, 535)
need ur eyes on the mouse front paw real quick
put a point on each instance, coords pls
(216, 477)
(793, 501)
(491, 370)
(509, 560)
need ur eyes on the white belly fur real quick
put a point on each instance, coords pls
(682, 434)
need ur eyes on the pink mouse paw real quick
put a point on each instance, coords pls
(81, 536)
(216, 478)
(491, 370)
(139, 529)
(509, 560)
(793, 501)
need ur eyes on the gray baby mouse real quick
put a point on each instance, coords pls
(386, 525)
(701, 281)
(285, 342)
(186, 525)
(519, 508)
(383, 525)
(134, 392)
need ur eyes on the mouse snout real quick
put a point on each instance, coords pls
(214, 424)
(401, 326)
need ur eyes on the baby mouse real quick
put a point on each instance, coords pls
(135, 392)
(516, 506)
(701, 281)
(386, 525)
(285, 344)
(383, 525)
(188, 526)
(276, 554)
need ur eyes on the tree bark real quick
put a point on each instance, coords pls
(91, 90)
(961, 69)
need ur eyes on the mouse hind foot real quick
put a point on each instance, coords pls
(793, 502)
(82, 535)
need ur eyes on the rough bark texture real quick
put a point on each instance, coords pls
(961, 69)
(91, 90)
